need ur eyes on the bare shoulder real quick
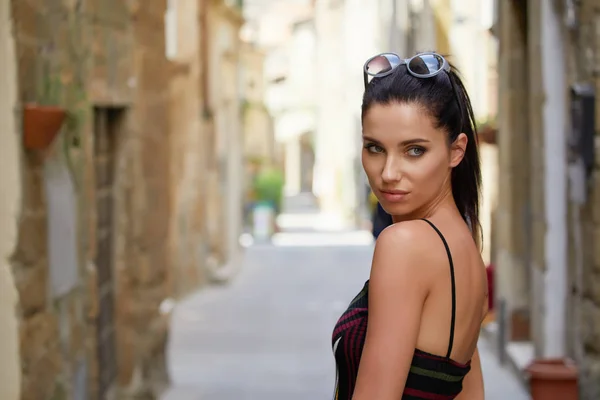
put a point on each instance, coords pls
(408, 239)
(402, 249)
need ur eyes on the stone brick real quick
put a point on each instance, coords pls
(38, 335)
(42, 383)
(32, 240)
(33, 186)
(92, 288)
(593, 242)
(590, 315)
(590, 378)
(591, 285)
(32, 284)
(596, 188)
(77, 327)
(126, 352)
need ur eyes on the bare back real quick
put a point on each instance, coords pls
(470, 294)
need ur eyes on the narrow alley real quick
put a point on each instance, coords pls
(267, 334)
(185, 203)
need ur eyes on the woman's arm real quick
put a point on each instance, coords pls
(473, 382)
(398, 288)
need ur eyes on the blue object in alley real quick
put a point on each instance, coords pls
(381, 220)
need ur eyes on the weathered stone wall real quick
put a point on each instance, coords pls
(583, 62)
(53, 324)
(85, 55)
(224, 180)
(188, 155)
(145, 204)
(512, 250)
(581, 33)
(114, 216)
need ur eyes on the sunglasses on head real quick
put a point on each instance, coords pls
(422, 65)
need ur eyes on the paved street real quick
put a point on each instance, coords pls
(267, 335)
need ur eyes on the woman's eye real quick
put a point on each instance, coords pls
(373, 148)
(416, 151)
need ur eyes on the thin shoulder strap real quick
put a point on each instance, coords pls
(453, 321)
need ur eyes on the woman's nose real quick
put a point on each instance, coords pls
(391, 171)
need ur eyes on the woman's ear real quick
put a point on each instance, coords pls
(458, 149)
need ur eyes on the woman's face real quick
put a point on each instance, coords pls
(406, 158)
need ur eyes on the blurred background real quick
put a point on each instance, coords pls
(183, 212)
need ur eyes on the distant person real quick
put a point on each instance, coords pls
(412, 331)
(380, 220)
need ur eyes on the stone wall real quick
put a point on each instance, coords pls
(144, 209)
(521, 226)
(225, 141)
(188, 155)
(115, 216)
(53, 321)
(584, 56)
(512, 250)
(94, 58)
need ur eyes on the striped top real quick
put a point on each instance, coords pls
(431, 377)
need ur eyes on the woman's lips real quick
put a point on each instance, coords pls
(393, 195)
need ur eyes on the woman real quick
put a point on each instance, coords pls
(411, 333)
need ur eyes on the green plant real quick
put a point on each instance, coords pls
(268, 186)
(48, 85)
(51, 91)
(487, 130)
(488, 122)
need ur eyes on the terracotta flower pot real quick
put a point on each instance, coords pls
(553, 379)
(41, 124)
(487, 134)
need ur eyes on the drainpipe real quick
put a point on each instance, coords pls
(555, 181)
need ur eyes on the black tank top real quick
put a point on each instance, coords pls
(430, 376)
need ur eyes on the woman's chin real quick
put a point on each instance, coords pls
(394, 208)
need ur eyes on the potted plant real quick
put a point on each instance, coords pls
(41, 124)
(268, 195)
(43, 120)
(487, 130)
(553, 379)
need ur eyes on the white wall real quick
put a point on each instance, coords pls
(555, 184)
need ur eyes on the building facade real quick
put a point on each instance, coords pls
(223, 107)
(546, 223)
(189, 134)
(110, 219)
(90, 263)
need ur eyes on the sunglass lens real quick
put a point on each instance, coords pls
(426, 64)
(382, 63)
